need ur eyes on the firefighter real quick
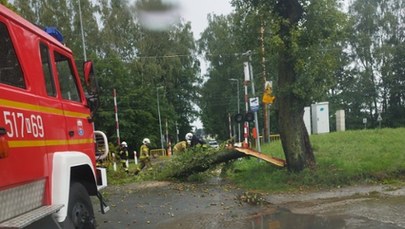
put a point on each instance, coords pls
(189, 137)
(191, 141)
(144, 156)
(123, 155)
(180, 147)
(194, 140)
(183, 145)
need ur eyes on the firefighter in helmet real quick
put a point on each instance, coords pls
(189, 137)
(194, 141)
(123, 155)
(180, 147)
(183, 145)
(144, 156)
(191, 141)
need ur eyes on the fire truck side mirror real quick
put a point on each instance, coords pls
(88, 73)
(91, 85)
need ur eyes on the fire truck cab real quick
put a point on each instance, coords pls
(48, 146)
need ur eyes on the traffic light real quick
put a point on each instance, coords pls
(238, 118)
(248, 117)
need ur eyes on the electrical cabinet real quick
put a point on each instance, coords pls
(320, 118)
(340, 120)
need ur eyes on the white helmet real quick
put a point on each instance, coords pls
(124, 144)
(146, 141)
(189, 136)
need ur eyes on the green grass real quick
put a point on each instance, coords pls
(343, 158)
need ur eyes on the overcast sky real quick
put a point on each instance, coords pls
(196, 12)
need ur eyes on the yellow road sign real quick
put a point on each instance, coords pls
(268, 97)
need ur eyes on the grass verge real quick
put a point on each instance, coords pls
(343, 158)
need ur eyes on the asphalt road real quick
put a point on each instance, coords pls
(175, 205)
(218, 205)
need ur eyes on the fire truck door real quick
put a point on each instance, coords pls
(53, 115)
(78, 127)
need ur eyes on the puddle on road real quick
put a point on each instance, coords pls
(284, 219)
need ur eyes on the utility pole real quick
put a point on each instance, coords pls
(238, 102)
(117, 125)
(266, 112)
(245, 143)
(160, 120)
(249, 54)
(81, 28)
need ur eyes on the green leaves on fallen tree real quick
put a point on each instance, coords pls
(195, 160)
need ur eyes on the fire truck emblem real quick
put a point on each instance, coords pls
(80, 127)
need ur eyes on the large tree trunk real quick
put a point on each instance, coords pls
(294, 136)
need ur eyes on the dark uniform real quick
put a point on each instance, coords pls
(195, 141)
(123, 155)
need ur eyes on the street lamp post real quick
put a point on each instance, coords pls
(160, 120)
(237, 100)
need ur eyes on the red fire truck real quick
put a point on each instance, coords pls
(48, 146)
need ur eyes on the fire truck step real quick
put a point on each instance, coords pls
(30, 217)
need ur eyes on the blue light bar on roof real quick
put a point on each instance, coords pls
(54, 32)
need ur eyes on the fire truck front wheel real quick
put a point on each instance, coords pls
(80, 209)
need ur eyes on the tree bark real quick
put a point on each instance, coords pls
(294, 136)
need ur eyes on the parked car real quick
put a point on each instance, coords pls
(213, 143)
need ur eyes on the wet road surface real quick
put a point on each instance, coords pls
(218, 205)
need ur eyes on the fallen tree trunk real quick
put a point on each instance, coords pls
(195, 161)
(201, 164)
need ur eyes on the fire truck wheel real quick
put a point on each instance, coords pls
(80, 209)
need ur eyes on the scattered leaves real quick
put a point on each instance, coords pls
(251, 198)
